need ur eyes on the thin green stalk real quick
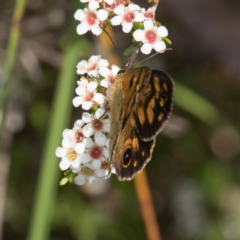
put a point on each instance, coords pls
(48, 179)
(197, 106)
(10, 60)
(5, 82)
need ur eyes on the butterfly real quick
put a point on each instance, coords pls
(140, 102)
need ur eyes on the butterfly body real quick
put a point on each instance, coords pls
(140, 103)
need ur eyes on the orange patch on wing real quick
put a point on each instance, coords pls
(162, 102)
(160, 117)
(150, 114)
(165, 87)
(135, 143)
(141, 115)
(151, 103)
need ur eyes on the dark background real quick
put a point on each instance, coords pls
(194, 174)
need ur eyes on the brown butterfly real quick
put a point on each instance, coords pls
(140, 104)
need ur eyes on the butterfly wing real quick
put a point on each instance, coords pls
(124, 95)
(155, 105)
(134, 83)
(131, 154)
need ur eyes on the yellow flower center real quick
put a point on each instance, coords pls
(86, 171)
(71, 154)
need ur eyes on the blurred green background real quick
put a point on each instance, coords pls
(194, 174)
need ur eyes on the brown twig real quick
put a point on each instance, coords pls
(146, 206)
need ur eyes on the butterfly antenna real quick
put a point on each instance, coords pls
(114, 45)
(132, 58)
(154, 55)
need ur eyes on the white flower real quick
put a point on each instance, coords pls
(109, 75)
(92, 66)
(97, 150)
(87, 173)
(95, 124)
(71, 156)
(151, 37)
(87, 95)
(149, 14)
(92, 4)
(126, 16)
(90, 19)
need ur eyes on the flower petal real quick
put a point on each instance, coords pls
(93, 5)
(86, 105)
(102, 14)
(160, 46)
(82, 28)
(79, 123)
(139, 17)
(76, 162)
(127, 27)
(88, 142)
(79, 179)
(96, 164)
(119, 9)
(106, 153)
(88, 131)
(68, 133)
(104, 83)
(133, 7)
(79, 15)
(148, 24)
(85, 158)
(92, 86)
(77, 101)
(86, 117)
(66, 143)
(116, 20)
(96, 30)
(80, 147)
(64, 164)
(146, 48)
(104, 71)
(100, 173)
(94, 58)
(99, 98)
(103, 63)
(100, 139)
(138, 35)
(99, 113)
(61, 152)
(93, 180)
(80, 90)
(162, 31)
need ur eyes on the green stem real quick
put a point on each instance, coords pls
(10, 60)
(197, 105)
(49, 173)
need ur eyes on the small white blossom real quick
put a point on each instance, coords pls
(92, 66)
(94, 124)
(92, 4)
(148, 14)
(90, 19)
(151, 37)
(97, 149)
(87, 95)
(87, 173)
(109, 75)
(126, 16)
(69, 154)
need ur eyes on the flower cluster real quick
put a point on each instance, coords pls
(134, 20)
(85, 151)
(85, 148)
